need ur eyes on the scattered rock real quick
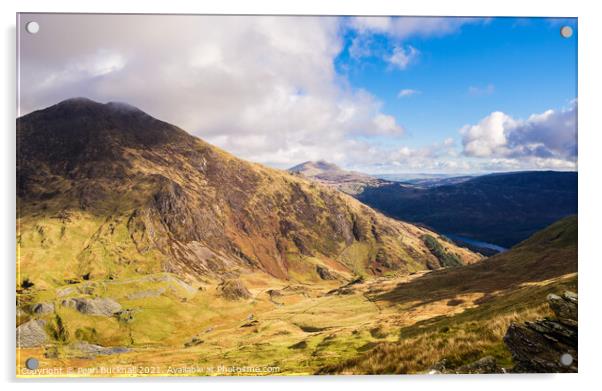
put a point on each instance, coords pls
(126, 315)
(62, 292)
(454, 302)
(88, 350)
(193, 342)
(299, 345)
(324, 273)
(537, 347)
(42, 308)
(484, 365)
(146, 294)
(175, 282)
(32, 334)
(101, 306)
(250, 323)
(234, 290)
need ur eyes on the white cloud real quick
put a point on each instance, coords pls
(402, 57)
(402, 27)
(407, 92)
(263, 88)
(548, 139)
(386, 124)
(398, 29)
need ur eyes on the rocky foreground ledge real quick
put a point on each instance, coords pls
(547, 345)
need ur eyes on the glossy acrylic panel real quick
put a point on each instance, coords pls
(292, 195)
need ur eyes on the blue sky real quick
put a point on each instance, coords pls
(518, 66)
(374, 94)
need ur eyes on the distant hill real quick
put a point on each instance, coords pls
(425, 180)
(350, 182)
(502, 209)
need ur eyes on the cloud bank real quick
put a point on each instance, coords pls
(266, 88)
(546, 139)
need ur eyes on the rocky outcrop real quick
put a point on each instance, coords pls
(32, 334)
(546, 345)
(234, 290)
(485, 365)
(88, 351)
(42, 308)
(324, 273)
(100, 306)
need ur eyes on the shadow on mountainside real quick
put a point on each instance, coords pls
(549, 253)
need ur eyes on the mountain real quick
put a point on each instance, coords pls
(509, 288)
(350, 182)
(425, 180)
(106, 191)
(502, 209)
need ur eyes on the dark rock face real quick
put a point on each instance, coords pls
(324, 273)
(537, 347)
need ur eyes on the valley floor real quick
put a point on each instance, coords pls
(383, 325)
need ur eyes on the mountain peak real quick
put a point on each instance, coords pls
(313, 166)
(83, 129)
(350, 182)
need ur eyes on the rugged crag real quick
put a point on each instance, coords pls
(540, 346)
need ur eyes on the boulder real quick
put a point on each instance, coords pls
(32, 334)
(565, 307)
(42, 308)
(324, 273)
(146, 294)
(537, 347)
(100, 306)
(88, 350)
(486, 364)
(234, 290)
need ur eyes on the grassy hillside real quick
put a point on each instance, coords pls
(139, 244)
(106, 191)
(403, 324)
(509, 287)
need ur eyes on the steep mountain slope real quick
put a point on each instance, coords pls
(350, 182)
(503, 209)
(105, 191)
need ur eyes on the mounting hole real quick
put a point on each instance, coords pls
(32, 363)
(32, 27)
(566, 31)
(566, 359)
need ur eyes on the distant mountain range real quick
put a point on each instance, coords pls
(502, 209)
